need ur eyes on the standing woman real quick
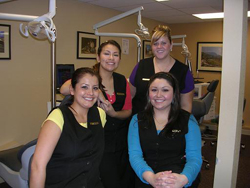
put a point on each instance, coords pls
(164, 140)
(161, 44)
(116, 102)
(71, 141)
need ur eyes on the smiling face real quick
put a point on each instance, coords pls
(161, 94)
(162, 47)
(109, 57)
(86, 91)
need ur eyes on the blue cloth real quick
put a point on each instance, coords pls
(193, 151)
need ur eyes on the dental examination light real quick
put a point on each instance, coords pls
(142, 31)
(185, 51)
(40, 27)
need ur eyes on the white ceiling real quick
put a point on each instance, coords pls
(173, 11)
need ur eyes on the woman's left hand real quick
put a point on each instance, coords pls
(171, 180)
(101, 99)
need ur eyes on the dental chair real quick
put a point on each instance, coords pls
(15, 163)
(201, 108)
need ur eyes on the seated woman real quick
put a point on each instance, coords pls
(164, 141)
(71, 141)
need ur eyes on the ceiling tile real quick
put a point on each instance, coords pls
(173, 11)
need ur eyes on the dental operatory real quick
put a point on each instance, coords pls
(124, 94)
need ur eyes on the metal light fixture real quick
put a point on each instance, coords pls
(41, 28)
(142, 31)
(185, 51)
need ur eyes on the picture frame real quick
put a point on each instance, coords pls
(147, 51)
(87, 45)
(209, 56)
(5, 42)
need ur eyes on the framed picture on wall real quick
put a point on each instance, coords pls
(146, 47)
(5, 50)
(87, 45)
(209, 56)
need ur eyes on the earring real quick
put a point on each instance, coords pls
(171, 49)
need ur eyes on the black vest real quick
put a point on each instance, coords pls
(144, 72)
(77, 155)
(116, 129)
(163, 152)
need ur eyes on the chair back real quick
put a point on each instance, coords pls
(17, 176)
(209, 96)
(25, 155)
(66, 100)
(202, 105)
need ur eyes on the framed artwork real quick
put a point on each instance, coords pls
(147, 51)
(209, 56)
(87, 45)
(5, 50)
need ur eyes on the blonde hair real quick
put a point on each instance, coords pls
(161, 31)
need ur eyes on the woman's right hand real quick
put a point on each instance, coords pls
(168, 179)
(160, 180)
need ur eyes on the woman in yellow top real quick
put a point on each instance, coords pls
(71, 141)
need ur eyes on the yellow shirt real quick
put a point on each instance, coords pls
(57, 117)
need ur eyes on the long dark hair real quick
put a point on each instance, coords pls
(148, 113)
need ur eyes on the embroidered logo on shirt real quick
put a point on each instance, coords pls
(176, 131)
(120, 93)
(94, 123)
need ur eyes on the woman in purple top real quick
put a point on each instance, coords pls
(162, 44)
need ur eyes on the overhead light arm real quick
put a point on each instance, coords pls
(178, 37)
(17, 17)
(143, 30)
(185, 51)
(127, 35)
(118, 17)
(44, 23)
(40, 27)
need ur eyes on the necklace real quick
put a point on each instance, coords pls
(166, 69)
(160, 123)
(73, 109)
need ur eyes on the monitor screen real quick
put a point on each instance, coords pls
(63, 73)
